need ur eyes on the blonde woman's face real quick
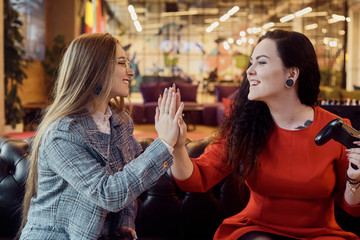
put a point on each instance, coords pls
(122, 75)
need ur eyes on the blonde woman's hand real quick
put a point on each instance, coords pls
(167, 116)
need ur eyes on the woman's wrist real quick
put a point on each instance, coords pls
(351, 180)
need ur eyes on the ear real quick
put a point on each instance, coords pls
(293, 73)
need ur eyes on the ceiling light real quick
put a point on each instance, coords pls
(287, 18)
(333, 20)
(324, 30)
(338, 17)
(311, 26)
(303, 11)
(132, 12)
(242, 33)
(342, 32)
(137, 26)
(212, 26)
(332, 43)
(226, 45)
(256, 30)
(238, 42)
(269, 25)
(251, 41)
(231, 40)
(224, 17)
(348, 19)
(233, 10)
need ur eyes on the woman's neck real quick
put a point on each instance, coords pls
(292, 115)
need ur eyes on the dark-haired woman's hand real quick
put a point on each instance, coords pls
(126, 233)
(353, 176)
(354, 162)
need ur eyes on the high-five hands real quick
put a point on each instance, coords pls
(168, 116)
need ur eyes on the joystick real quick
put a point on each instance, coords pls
(340, 132)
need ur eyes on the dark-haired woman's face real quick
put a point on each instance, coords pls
(267, 74)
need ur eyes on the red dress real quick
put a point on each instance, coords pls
(292, 190)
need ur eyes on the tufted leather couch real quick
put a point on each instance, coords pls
(165, 212)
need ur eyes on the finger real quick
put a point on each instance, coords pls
(179, 111)
(172, 105)
(354, 156)
(354, 162)
(178, 98)
(182, 126)
(163, 101)
(353, 150)
(159, 100)
(157, 115)
(168, 101)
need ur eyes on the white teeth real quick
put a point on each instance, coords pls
(254, 83)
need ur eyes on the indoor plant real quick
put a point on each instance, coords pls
(14, 64)
(52, 60)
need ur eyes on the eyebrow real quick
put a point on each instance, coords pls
(260, 56)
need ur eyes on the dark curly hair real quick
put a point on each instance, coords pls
(249, 125)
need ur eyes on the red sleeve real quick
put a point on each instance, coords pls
(341, 167)
(209, 169)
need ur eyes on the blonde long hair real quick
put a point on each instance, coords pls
(88, 63)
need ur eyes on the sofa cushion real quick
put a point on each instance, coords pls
(151, 91)
(13, 175)
(209, 113)
(188, 91)
(224, 91)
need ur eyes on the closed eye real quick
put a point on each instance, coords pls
(121, 62)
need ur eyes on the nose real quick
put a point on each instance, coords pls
(250, 70)
(129, 71)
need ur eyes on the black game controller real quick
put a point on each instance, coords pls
(340, 132)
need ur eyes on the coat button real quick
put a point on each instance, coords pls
(165, 164)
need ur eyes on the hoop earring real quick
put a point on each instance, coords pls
(289, 83)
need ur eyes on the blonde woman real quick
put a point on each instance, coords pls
(86, 171)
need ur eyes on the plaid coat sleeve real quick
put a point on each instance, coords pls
(69, 157)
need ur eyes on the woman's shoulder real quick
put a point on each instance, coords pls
(323, 115)
(67, 127)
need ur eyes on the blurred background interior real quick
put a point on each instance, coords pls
(203, 46)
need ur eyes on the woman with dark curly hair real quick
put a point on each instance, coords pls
(268, 142)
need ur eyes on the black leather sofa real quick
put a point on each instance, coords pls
(165, 212)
